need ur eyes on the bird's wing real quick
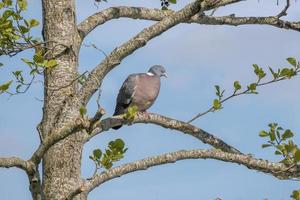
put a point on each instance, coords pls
(126, 93)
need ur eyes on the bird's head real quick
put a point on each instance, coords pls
(158, 70)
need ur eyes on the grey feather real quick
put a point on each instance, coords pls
(140, 90)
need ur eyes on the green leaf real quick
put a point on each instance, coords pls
(23, 29)
(272, 136)
(119, 143)
(131, 112)
(237, 85)
(5, 86)
(91, 157)
(285, 72)
(287, 134)
(278, 152)
(275, 75)
(217, 104)
(18, 87)
(50, 63)
(259, 71)
(265, 145)
(297, 156)
(97, 154)
(33, 23)
(7, 14)
(38, 58)
(263, 134)
(28, 62)
(82, 110)
(22, 4)
(7, 2)
(296, 195)
(218, 91)
(292, 61)
(173, 1)
(290, 148)
(34, 71)
(252, 87)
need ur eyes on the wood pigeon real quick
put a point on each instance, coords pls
(139, 90)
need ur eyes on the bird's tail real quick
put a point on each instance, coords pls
(119, 110)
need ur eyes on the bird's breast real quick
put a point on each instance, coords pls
(146, 92)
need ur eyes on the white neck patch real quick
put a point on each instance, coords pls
(150, 74)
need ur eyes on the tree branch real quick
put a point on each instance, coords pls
(165, 122)
(90, 23)
(284, 11)
(13, 162)
(55, 136)
(108, 14)
(95, 78)
(236, 21)
(278, 170)
(31, 170)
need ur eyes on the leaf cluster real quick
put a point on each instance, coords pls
(114, 152)
(14, 28)
(281, 141)
(280, 74)
(15, 37)
(296, 195)
(131, 113)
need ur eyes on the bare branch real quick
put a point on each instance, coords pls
(278, 170)
(165, 122)
(236, 21)
(31, 170)
(157, 15)
(96, 76)
(87, 25)
(55, 136)
(13, 162)
(284, 11)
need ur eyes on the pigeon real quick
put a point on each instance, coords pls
(140, 90)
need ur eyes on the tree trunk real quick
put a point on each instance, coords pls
(62, 162)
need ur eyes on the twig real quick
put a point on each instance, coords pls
(98, 99)
(213, 12)
(284, 11)
(246, 91)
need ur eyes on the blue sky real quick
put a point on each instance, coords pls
(196, 57)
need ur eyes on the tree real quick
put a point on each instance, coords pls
(65, 126)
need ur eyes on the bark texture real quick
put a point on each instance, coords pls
(62, 162)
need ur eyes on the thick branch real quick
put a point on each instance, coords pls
(157, 15)
(13, 162)
(278, 170)
(55, 136)
(96, 76)
(166, 123)
(87, 25)
(31, 170)
(236, 21)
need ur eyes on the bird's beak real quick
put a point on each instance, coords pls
(165, 75)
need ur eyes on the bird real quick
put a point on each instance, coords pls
(140, 90)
